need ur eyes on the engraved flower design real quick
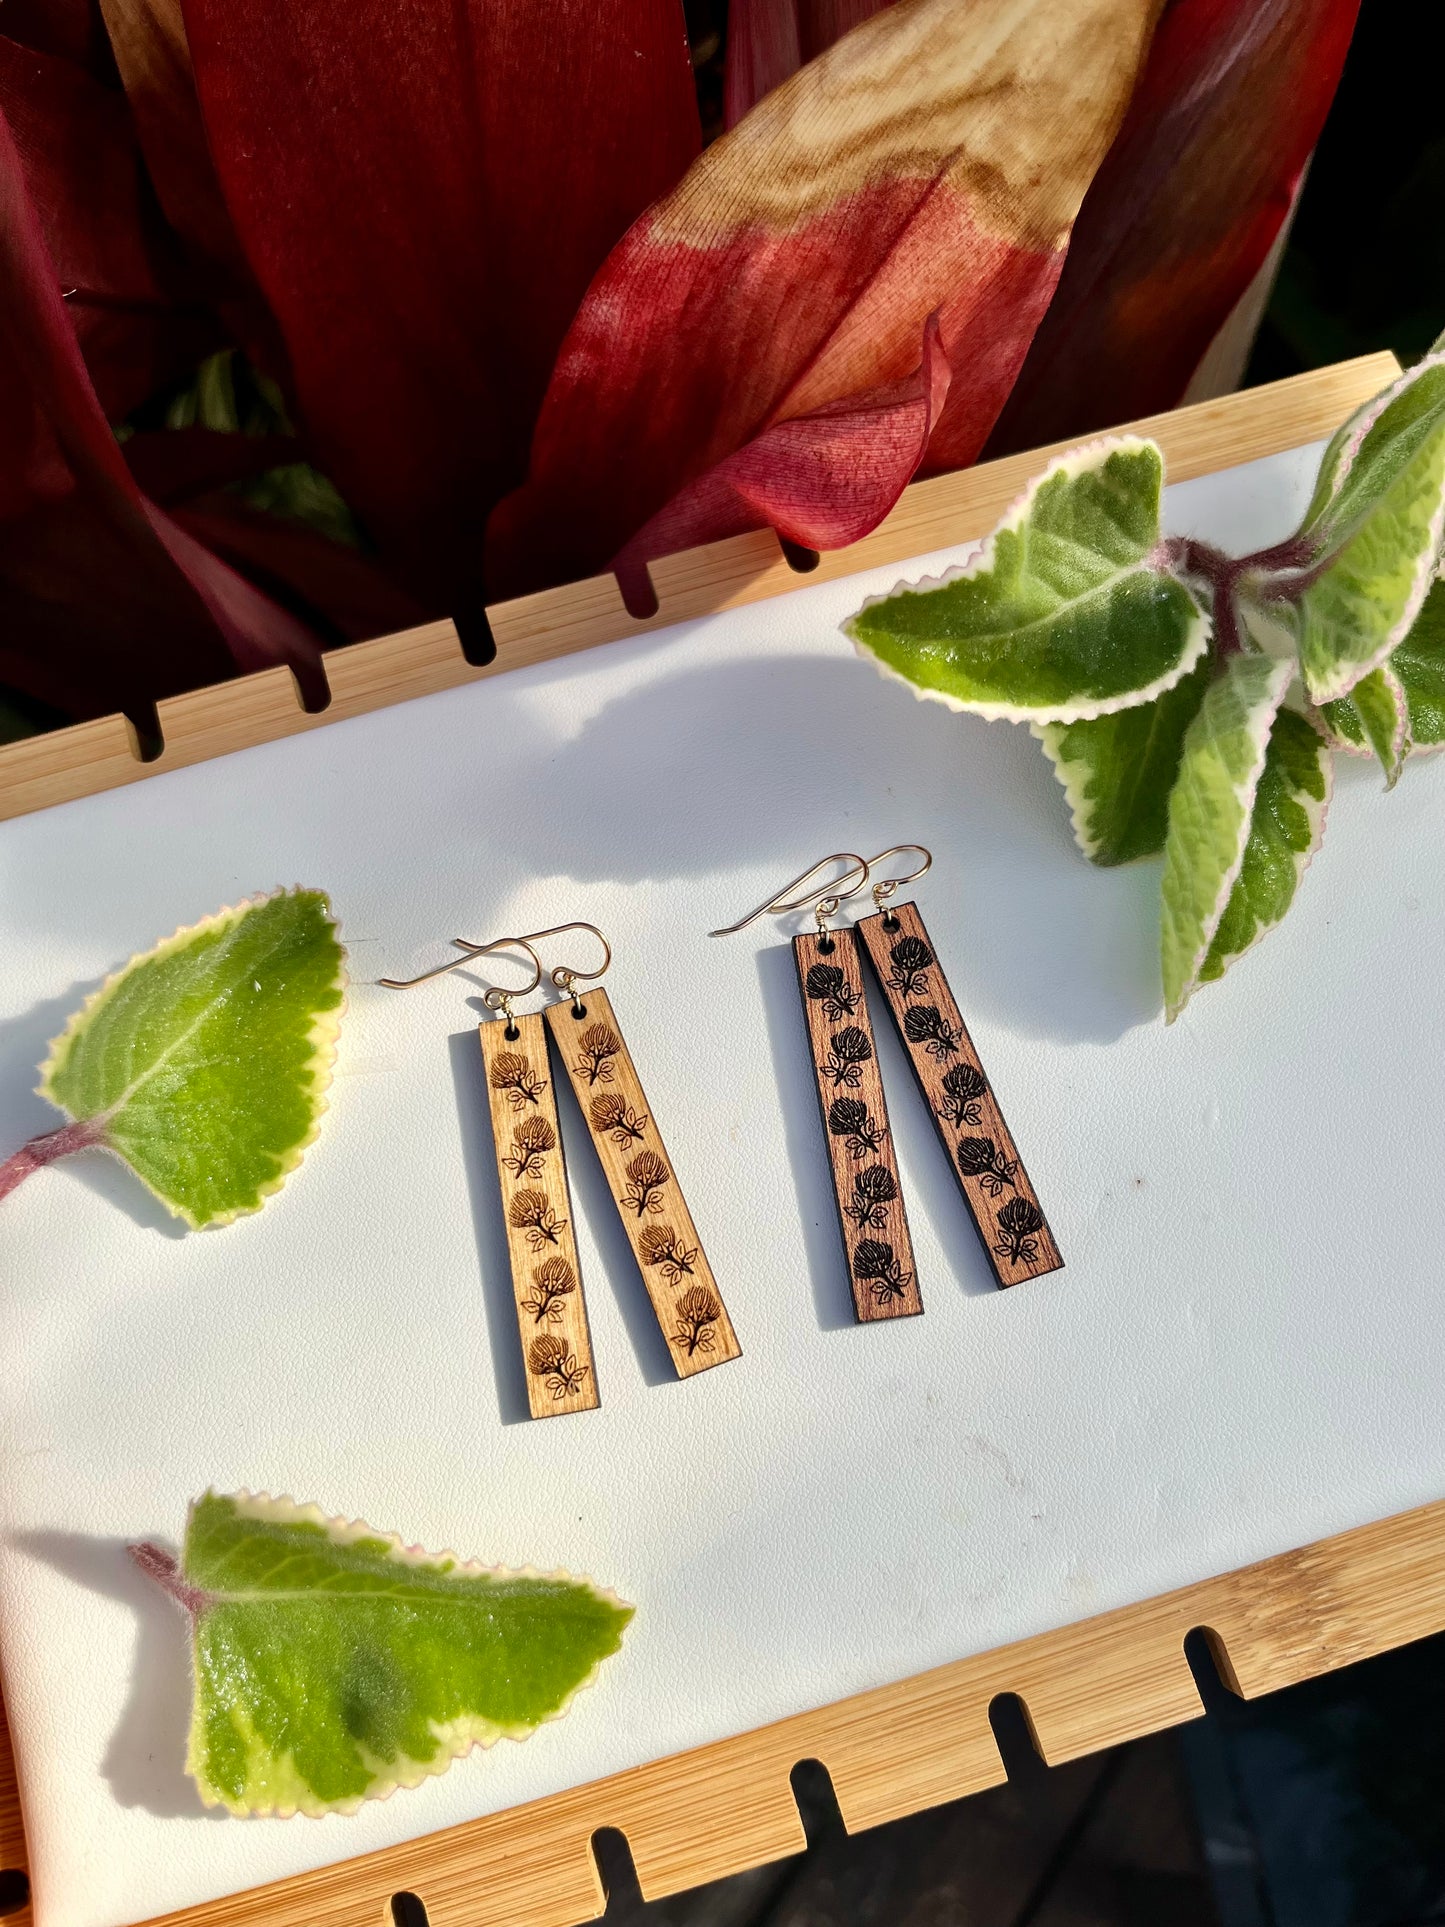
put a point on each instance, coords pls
(532, 1212)
(925, 1024)
(611, 1114)
(660, 1245)
(963, 1086)
(697, 1314)
(646, 1175)
(978, 1157)
(849, 1118)
(512, 1073)
(531, 1141)
(848, 1051)
(878, 1266)
(874, 1189)
(1019, 1221)
(551, 1283)
(828, 985)
(597, 1046)
(911, 958)
(553, 1361)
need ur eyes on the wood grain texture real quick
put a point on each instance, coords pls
(537, 1213)
(956, 1091)
(645, 1187)
(101, 755)
(867, 1184)
(722, 1808)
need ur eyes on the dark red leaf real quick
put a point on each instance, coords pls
(768, 40)
(423, 194)
(1183, 211)
(174, 465)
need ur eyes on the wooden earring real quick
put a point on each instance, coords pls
(960, 1098)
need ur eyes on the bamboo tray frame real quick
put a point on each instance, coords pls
(724, 1807)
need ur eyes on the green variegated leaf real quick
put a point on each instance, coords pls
(204, 1063)
(1369, 542)
(1209, 814)
(1118, 770)
(1067, 613)
(334, 1664)
(1419, 664)
(1285, 827)
(1373, 717)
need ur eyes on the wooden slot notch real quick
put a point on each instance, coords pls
(537, 1209)
(654, 1213)
(977, 1142)
(866, 1185)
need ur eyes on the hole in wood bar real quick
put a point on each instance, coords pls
(408, 1911)
(800, 560)
(14, 1890)
(145, 720)
(818, 1807)
(1209, 1661)
(474, 633)
(612, 1857)
(638, 591)
(1014, 1736)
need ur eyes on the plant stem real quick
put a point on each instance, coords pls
(45, 1150)
(160, 1565)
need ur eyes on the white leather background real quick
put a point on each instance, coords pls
(1245, 1352)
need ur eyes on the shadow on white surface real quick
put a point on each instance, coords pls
(144, 1763)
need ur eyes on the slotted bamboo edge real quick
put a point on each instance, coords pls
(722, 1808)
(102, 755)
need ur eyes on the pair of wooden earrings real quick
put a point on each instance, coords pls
(532, 1171)
(867, 1184)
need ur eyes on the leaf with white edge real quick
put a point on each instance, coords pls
(204, 1063)
(1068, 612)
(1366, 552)
(1285, 828)
(334, 1664)
(1209, 814)
(1419, 665)
(1374, 717)
(1118, 770)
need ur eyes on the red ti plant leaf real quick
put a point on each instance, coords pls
(71, 508)
(423, 193)
(931, 161)
(1183, 211)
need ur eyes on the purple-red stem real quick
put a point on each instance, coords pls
(41, 1151)
(160, 1565)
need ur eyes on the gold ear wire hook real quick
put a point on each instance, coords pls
(564, 976)
(882, 891)
(826, 897)
(471, 951)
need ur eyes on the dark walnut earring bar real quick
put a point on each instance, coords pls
(866, 1185)
(537, 1209)
(649, 1199)
(980, 1147)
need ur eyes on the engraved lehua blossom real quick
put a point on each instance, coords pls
(646, 1175)
(878, 1266)
(513, 1073)
(850, 1119)
(613, 1116)
(697, 1314)
(555, 1363)
(848, 1051)
(911, 958)
(826, 984)
(874, 1189)
(1019, 1221)
(963, 1086)
(551, 1283)
(597, 1046)
(660, 1245)
(531, 1211)
(531, 1141)
(925, 1024)
(979, 1157)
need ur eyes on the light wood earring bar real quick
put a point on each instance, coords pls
(979, 1145)
(537, 1208)
(867, 1188)
(654, 1213)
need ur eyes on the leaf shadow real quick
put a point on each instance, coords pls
(24, 1045)
(144, 1763)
